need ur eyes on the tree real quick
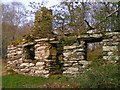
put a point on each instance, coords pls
(72, 16)
(12, 17)
(84, 16)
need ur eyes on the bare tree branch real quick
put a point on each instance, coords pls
(106, 17)
(97, 24)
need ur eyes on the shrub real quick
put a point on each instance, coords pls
(105, 76)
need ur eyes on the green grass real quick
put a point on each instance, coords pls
(99, 77)
(21, 81)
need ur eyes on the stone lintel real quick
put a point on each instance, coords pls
(91, 37)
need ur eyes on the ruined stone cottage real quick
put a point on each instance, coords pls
(36, 56)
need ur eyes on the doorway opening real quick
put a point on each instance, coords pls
(94, 51)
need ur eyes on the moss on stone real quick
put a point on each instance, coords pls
(11, 71)
(26, 38)
(60, 57)
(68, 41)
(35, 61)
(30, 61)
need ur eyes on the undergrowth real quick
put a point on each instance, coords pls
(104, 76)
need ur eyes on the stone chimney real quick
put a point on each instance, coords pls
(43, 22)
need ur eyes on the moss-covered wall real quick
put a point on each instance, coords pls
(35, 59)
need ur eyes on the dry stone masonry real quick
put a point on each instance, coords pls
(37, 59)
(111, 46)
(74, 58)
(47, 56)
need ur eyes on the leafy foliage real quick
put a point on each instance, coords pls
(104, 76)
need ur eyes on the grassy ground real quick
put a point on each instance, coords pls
(20, 81)
(99, 77)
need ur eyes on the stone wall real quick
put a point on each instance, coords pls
(14, 57)
(44, 62)
(46, 56)
(74, 58)
(111, 46)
